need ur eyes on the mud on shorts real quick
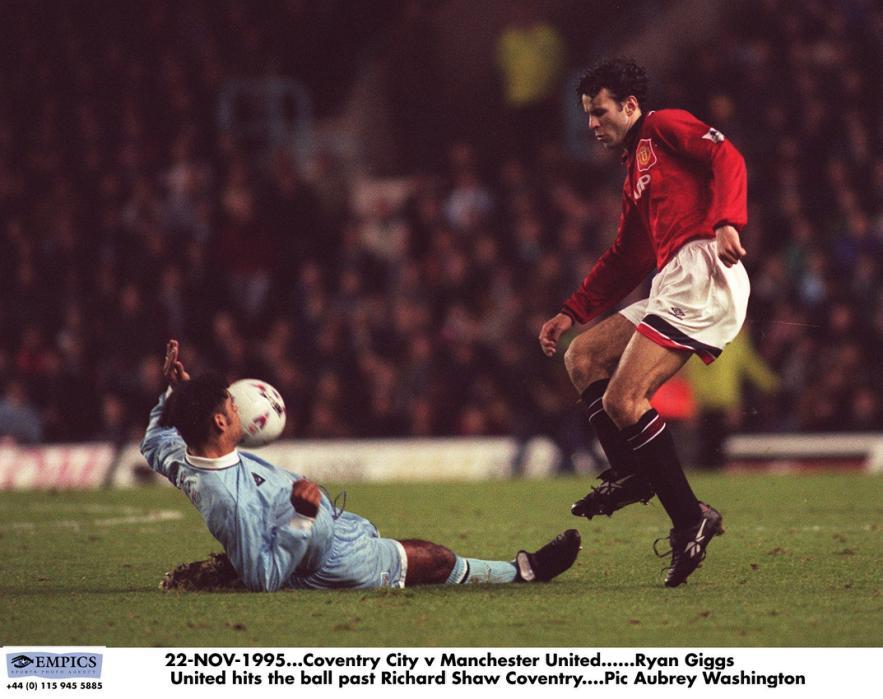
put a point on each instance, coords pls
(696, 303)
(359, 558)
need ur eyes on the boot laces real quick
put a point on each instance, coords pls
(669, 540)
(609, 483)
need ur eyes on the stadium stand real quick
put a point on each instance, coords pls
(129, 215)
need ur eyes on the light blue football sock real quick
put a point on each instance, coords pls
(474, 570)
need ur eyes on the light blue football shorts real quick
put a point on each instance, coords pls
(359, 558)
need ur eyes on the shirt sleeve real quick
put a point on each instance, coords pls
(162, 447)
(269, 542)
(684, 134)
(619, 270)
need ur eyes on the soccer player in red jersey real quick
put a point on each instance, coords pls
(683, 206)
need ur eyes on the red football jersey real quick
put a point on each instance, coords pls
(683, 180)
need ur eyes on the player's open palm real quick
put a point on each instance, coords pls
(173, 368)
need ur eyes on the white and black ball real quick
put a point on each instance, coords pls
(261, 410)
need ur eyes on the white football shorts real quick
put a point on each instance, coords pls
(696, 302)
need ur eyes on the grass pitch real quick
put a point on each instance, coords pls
(799, 565)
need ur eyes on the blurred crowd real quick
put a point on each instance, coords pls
(795, 86)
(128, 217)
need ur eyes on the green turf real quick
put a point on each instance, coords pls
(799, 566)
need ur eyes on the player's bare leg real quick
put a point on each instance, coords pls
(643, 368)
(591, 360)
(594, 354)
(433, 564)
(428, 563)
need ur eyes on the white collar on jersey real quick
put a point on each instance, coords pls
(215, 464)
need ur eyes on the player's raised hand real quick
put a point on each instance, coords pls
(172, 367)
(729, 247)
(551, 332)
(305, 497)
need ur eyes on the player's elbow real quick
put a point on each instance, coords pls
(151, 448)
(148, 448)
(739, 162)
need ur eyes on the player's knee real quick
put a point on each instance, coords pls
(621, 407)
(428, 563)
(438, 562)
(579, 364)
(571, 360)
(444, 560)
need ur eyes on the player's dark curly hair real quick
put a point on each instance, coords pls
(192, 405)
(621, 76)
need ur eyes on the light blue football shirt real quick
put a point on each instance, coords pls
(246, 504)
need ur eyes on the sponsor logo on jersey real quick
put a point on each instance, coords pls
(641, 185)
(257, 479)
(645, 156)
(714, 136)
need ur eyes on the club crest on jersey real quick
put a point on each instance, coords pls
(714, 136)
(645, 156)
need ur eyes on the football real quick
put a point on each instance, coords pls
(261, 410)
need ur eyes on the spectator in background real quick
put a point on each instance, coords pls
(113, 427)
(531, 58)
(718, 393)
(118, 204)
(294, 214)
(246, 250)
(411, 64)
(19, 420)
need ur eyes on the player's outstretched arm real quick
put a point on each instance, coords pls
(162, 446)
(552, 331)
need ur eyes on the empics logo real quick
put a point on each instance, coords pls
(54, 665)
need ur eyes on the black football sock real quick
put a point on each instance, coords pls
(619, 453)
(656, 456)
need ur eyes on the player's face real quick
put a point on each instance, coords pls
(609, 120)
